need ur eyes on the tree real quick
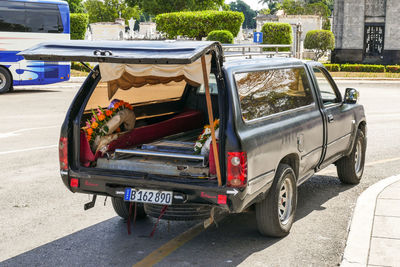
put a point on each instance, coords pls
(320, 41)
(328, 3)
(318, 9)
(292, 7)
(265, 11)
(75, 6)
(249, 14)
(109, 10)
(155, 7)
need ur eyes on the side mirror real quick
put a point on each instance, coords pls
(351, 96)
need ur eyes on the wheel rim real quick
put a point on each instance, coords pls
(358, 158)
(2, 81)
(285, 201)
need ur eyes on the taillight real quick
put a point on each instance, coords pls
(63, 153)
(237, 169)
(74, 183)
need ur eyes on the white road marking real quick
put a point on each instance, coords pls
(27, 149)
(18, 132)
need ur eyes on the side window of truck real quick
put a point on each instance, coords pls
(267, 92)
(328, 94)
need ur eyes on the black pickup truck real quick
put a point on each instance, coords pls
(194, 134)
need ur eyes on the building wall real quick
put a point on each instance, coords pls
(350, 18)
(392, 29)
(308, 22)
(106, 31)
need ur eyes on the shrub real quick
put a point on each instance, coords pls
(320, 41)
(223, 36)
(79, 66)
(362, 68)
(277, 33)
(326, 25)
(332, 67)
(393, 68)
(199, 24)
(79, 23)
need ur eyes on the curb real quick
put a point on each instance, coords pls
(358, 241)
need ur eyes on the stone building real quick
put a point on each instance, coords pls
(367, 31)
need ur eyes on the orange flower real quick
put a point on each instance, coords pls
(116, 105)
(95, 125)
(90, 131)
(118, 130)
(108, 113)
(101, 117)
(89, 137)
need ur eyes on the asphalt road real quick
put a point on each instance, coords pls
(43, 224)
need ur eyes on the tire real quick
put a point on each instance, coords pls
(351, 168)
(122, 208)
(5, 80)
(274, 219)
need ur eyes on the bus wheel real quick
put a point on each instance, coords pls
(5, 80)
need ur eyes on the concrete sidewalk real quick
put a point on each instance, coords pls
(374, 235)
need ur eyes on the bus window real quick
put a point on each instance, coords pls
(43, 18)
(12, 17)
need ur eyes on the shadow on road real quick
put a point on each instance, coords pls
(228, 244)
(31, 91)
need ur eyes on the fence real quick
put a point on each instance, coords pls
(252, 50)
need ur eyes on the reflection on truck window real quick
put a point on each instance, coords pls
(213, 86)
(267, 92)
(328, 94)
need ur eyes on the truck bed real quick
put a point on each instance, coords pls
(173, 155)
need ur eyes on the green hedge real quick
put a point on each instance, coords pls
(277, 33)
(332, 67)
(198, 24)
(393, 68)
(79, 23)
(362, 68)
(223, 36)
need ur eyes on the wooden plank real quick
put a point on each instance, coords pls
(211, 119)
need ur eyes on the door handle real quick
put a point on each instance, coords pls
(330, 118)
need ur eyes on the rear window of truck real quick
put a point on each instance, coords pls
(267, 92)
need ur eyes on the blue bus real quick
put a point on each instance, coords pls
(25, 23)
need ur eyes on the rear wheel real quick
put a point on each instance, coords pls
(122, 208)
(275, 214)
(350, 169)
(5, 80)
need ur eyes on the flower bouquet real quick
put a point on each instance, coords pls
(202, 145)
(106, 125)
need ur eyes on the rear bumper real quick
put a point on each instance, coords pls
(196, 191)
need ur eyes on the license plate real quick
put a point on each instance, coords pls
(148, 196)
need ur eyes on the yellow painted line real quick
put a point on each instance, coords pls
(169, 247)
(325, 172)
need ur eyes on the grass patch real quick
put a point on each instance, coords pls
(77, 73)
(365, 75)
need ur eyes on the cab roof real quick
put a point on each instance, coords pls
(129, 52)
